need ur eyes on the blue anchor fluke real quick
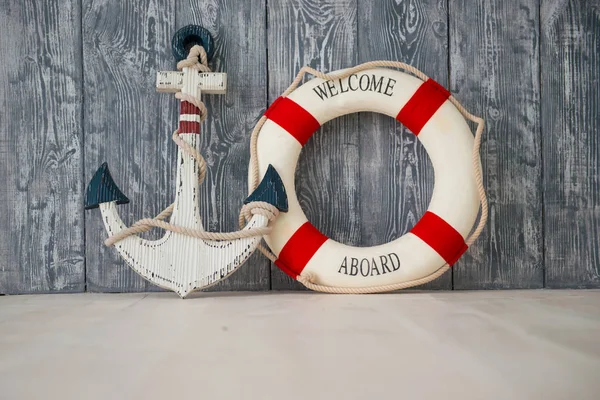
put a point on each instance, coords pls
(270, 190)
(103, 189)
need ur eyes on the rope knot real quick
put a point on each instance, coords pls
(196, 59)
(258, 208)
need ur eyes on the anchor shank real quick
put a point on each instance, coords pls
(186, 212)
(190, 82)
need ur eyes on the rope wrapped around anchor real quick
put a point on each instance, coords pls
(197, 59)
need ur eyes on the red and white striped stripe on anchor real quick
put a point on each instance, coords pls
(189, 118)
(438, 238)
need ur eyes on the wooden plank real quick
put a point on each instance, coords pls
(127, 123)
(239, 30)
(570, 72)
(42, 244)
(494, 64)
(322, 35)
(396, 176)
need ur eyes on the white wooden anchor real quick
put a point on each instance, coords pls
(177, 261)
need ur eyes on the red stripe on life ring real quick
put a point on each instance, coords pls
(299, 249)
(293, 118)
(428, 98)
(440, 236)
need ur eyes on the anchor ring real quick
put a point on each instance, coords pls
(188, 36)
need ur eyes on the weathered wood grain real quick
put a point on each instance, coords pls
(127, 123)
(494, 73)
(239, 30)
(41, 244)
(321, 34)
(570, 70)
(396, 176)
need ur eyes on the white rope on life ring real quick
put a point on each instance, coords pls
(444, 232)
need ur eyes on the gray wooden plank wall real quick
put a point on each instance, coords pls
(570, 71)
(77, 89)
(41, 142)
(494, 71)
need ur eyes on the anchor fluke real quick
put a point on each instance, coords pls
(103, 189)
(270, 190)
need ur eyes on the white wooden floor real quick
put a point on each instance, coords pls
(451, 345)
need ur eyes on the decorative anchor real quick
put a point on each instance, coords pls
(187, 258)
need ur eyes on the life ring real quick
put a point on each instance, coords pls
(438, 239)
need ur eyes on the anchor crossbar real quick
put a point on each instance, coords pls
(207, 82)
